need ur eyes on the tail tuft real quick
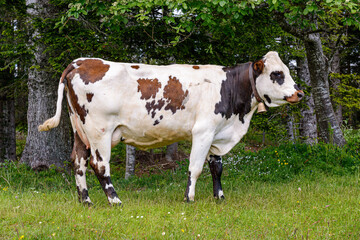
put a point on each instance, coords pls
(54, 121)
(49, 124)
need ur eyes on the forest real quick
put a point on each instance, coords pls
(318, 40)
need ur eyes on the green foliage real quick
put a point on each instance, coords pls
(347, 93)
(118, 152)
(298, 12)
(14, 51)
(352, 137)
(215, 32)
(286, 161)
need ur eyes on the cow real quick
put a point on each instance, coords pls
(150, 106)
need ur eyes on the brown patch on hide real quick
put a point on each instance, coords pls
(196, 67)
(174, 95)
(79, 152)
(99, 171)
(80, 173)
(91, 70)
(68, 105)
(79, 149)
(148, 87)
(89, 96)
(235, 92)
(153, 106)
(135, 66)
(74, 100)
(98, 157)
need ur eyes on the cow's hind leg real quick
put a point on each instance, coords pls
(79, 158)
(215, 164)
(99, 161)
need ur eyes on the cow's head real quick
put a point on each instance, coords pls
(274, 83)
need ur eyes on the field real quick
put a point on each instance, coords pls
(276, 193)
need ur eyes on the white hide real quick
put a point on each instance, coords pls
(116, 111)
(265, 86)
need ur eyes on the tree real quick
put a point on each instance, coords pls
(226, 32)
(307, 21)
(13, 53)
(171, 151)
(7, 120)
(308, 129)
(130, 161)
(54, 147)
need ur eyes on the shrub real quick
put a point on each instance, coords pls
(287, 160)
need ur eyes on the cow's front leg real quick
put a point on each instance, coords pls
(99, 161)
(199, 150)
(215, 164)
(79, 158)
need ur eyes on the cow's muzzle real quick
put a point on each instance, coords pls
(296, 97)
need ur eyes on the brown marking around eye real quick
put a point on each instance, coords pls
(278, 76)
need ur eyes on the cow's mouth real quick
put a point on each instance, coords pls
(296, 97)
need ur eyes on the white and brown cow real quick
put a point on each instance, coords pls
(151, 106)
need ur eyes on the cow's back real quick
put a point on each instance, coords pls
(148, 105)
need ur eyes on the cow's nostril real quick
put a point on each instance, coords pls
(300, 94)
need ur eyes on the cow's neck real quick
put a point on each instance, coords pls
(236, 92)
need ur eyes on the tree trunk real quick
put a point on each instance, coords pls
(43, 149)
(130, 161)
(307, 129)
(334, 83)
(329, 129)
(171, 152)
(7, 78)
(7, 128)
(290, 127)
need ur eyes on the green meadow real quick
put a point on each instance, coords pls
(292, 191)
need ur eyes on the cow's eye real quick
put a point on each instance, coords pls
(277, 76)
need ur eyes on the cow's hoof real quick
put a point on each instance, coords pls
(188, 200)
(220, 199)
(219, 195)
(87, 203)
(115, 202)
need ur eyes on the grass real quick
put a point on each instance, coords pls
(319, 204)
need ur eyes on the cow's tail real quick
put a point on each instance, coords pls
(54, 121)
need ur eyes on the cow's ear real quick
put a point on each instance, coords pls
(259, 67)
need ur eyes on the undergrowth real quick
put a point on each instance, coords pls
(288, 160)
